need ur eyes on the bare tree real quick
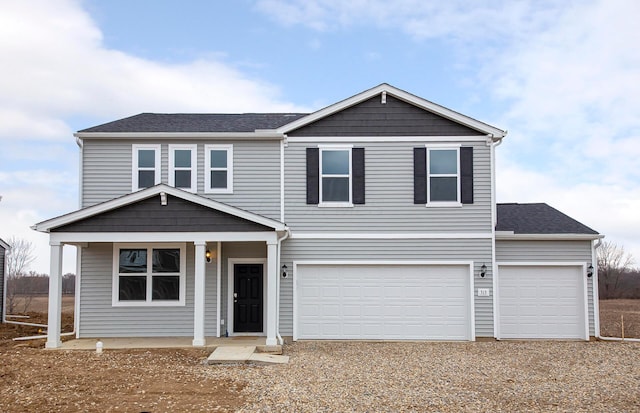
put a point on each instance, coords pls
(613, 263)
(18, 259)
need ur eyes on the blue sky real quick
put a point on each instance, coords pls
(562, 76)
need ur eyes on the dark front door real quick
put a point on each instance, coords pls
(247, 293)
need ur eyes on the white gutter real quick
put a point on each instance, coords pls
(284, 237)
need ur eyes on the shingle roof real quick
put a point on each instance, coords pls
(537, 219)
(197, 122)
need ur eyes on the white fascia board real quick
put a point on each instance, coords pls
(541, 264)
(46, 226)
(402, 95)
(257, 135)
(401, 235)
(504, 235)
(297, 263)
(5, 245)
(147, 237)
(393, 139)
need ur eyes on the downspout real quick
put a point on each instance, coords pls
(494, 220)
(282, 238)
(80, 174)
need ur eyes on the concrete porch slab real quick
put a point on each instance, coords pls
(264, 358)
(123, 343)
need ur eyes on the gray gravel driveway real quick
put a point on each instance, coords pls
(445, 377)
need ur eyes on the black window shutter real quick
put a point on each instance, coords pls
(357, 167)
(466, 175)
(419, 175)
(313, 176)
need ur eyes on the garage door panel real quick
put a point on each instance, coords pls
(384, 302)
(541, 302)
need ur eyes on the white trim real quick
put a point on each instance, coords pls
(585, 295)
(46, 226)
(218, 286)
(399, 94)
(207, 169)
(385, 139)
(81, 173)
(349, 175)
(255, 135)
(193, 169)
(199, 294)
(135, 148)
(230, 272)
(282, 181)
(390, 235)
(595, 291)
(472, 324)
(457, 202)
(115, 301)
(141, 237)
(502, 235)
(77, 287)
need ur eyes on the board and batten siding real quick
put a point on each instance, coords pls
(98, 318)
(550, 251)
(107, 172)
(389, 194)
(372, 251)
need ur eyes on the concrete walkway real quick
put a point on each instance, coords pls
(121, 343)
(244, 354)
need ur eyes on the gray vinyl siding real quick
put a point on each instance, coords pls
(550, 251)
(389, 197)
(476, 250)
(98, 318)
(107, 172)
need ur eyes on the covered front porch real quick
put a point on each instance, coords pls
(164, 263)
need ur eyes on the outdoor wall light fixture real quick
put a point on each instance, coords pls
(207, 255)
(590, 271)
(284, 271)
(483, 270)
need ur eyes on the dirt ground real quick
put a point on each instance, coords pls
(611, 322)
(32, 379)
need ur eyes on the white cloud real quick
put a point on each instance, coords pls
(55, 68)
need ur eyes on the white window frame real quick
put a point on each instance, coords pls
(193, 168)
(438, 204)
(115, 301)
(135, 150)
(208, 169)
(340, 204)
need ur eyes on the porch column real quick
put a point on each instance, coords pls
(55, 296)
(198, 306)
(272, 274)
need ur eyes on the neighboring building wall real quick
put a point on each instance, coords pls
(389, 194)
(256, 172)
(476, 250)
(2, 278)
(550, 251)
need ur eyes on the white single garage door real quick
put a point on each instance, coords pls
(542, 302)
(388, 302)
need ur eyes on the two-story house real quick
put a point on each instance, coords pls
(373, 218)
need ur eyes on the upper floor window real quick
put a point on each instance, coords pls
(146, 166)
(218, 169)
(149, 274)
(335, 176)
(443, 175)
(182, 167)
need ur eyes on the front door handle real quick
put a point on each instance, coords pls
(235, 295)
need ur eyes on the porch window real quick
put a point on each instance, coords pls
(149, 275)
(218, 169)
(182, 167)
(146, 166)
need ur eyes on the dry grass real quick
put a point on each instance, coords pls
(40, 303)
(611, 321)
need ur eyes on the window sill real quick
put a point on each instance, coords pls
(335, 205)
(444, 205)
(179, 303)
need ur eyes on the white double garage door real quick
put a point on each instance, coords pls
(434, 302)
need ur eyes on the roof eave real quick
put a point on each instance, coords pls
(5, 245)
(496, 134)
(256, 135)
(509, 235)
